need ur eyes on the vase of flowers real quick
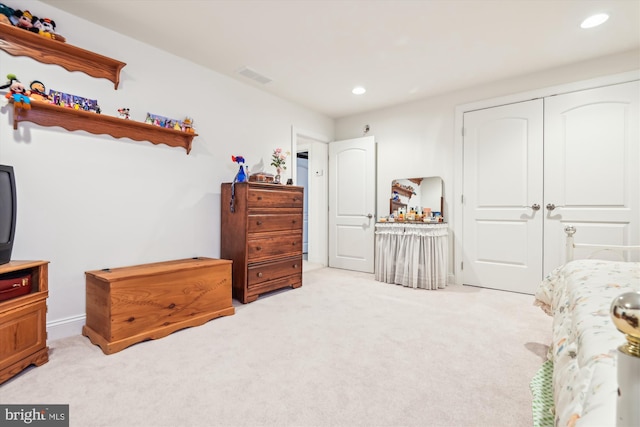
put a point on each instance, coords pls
(278, 160)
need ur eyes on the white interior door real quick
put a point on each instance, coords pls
(592, 163)
(352, 202)
(502, 197)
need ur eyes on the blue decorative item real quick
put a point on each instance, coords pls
(241, 176)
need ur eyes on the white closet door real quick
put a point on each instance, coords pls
(502, 230)
(592, 163)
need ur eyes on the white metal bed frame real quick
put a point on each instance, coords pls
(570, 230)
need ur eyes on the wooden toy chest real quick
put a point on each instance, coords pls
(132, 304)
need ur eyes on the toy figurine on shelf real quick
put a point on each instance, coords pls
(123, 113)
(47, 28)
(187, 125)
(38, 91)
(17, 92)
(26, 21)
(7, 15)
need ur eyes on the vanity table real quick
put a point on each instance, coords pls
(412, 254)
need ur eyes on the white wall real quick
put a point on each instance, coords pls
(87, 202)
(418, 138)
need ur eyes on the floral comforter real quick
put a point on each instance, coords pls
(578, 295)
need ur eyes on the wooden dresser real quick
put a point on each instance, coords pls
(262, 236)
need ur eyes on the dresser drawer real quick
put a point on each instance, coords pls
(266, 246)
(260, 223)
(264, 272)
(259, 198)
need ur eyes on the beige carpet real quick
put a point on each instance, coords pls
(342, 350)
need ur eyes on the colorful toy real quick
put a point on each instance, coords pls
(187, 125)
(26, 21)
(7, 15)
(17, 92)
(164, 122)
(47, 28)
(124, 113)
(38, 91)
(66, 100)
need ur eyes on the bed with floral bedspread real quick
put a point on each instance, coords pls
(583, 350)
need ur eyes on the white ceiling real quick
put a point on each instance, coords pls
(316, 51)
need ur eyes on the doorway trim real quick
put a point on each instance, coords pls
(318, 184)
(458, 153)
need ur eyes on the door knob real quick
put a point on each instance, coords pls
(369, 216)
(535, 207)
(551, 206)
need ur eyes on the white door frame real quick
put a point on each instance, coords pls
(318, 226)
(456, 202)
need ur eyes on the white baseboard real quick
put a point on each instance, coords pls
(451, 279)
(64, 328)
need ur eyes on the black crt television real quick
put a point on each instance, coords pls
(7, 212)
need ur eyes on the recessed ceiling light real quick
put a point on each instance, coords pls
(358, 90)
(594, 21)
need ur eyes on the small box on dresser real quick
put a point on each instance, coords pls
(128, 305)
(262, 235)
(23, 328)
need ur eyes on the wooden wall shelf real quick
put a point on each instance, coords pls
(402, 190)
(393, 205)
(19, 42)
(45, 114)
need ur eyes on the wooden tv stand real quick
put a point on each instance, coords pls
(23, 329)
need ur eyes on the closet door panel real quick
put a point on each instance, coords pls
(502, 230)
(591, 152)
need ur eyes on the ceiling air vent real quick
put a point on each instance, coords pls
(254, 75)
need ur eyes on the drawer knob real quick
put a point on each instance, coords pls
(259, 197)
(293, 243)
(293, 221)
(258, 248)
(259, 222)
(259, 274)
(295, 265)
